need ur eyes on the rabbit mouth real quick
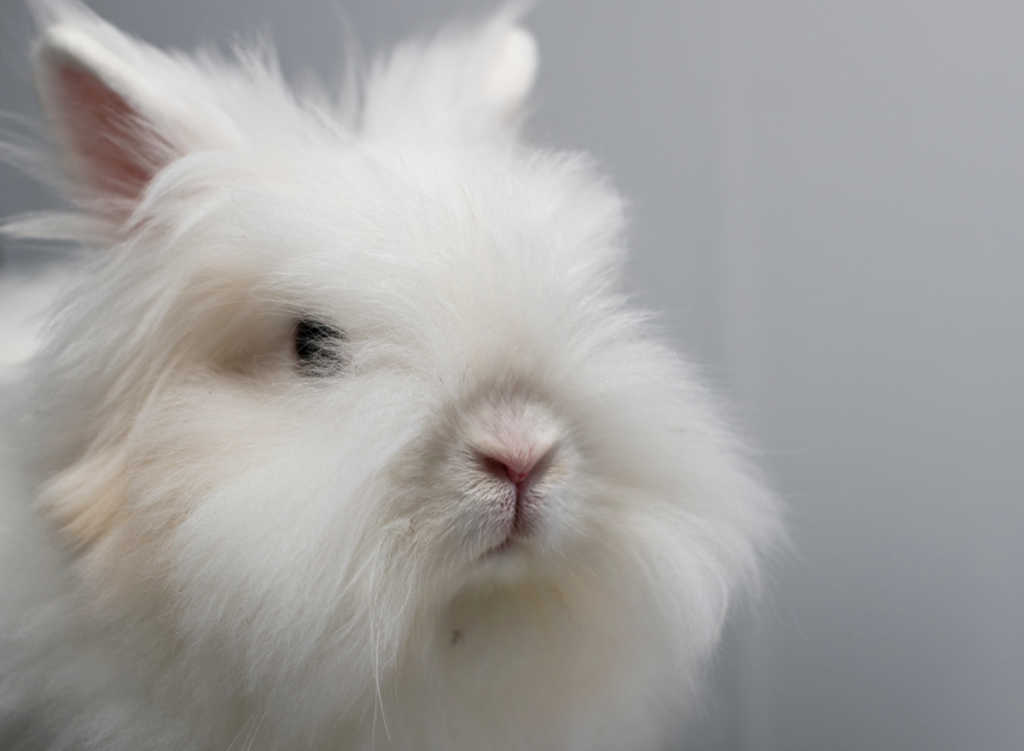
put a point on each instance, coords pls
(520, 526)
(517, 513)
(513, 527)
(529, 510)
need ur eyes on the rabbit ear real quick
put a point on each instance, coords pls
(511, 72)
(108, 143)
(464, 83)
(114, 106)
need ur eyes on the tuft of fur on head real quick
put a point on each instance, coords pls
(346, 434)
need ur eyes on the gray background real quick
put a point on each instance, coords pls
(827, 202)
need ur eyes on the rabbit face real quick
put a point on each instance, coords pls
(323, 411)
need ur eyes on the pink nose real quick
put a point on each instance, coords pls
(516, 470)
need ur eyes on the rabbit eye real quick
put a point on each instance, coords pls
(318, 348)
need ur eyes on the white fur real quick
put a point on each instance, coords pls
(205, 549)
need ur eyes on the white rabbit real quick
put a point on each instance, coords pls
(343, 434)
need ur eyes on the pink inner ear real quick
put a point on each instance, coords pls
(106, 133)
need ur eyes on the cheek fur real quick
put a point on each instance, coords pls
(120, 507)
(84, 501)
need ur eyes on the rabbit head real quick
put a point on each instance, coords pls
(347, 421)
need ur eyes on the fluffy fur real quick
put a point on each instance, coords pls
(222, 535)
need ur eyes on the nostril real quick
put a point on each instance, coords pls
(517, 471)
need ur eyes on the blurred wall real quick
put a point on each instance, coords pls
(827, 204)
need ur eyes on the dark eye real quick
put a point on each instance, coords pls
(318, 348)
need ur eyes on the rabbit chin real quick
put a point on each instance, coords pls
(506, 563)
(532, 533)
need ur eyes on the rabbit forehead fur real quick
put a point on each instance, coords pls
(340, 558)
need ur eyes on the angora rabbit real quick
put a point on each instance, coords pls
(343, 434)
